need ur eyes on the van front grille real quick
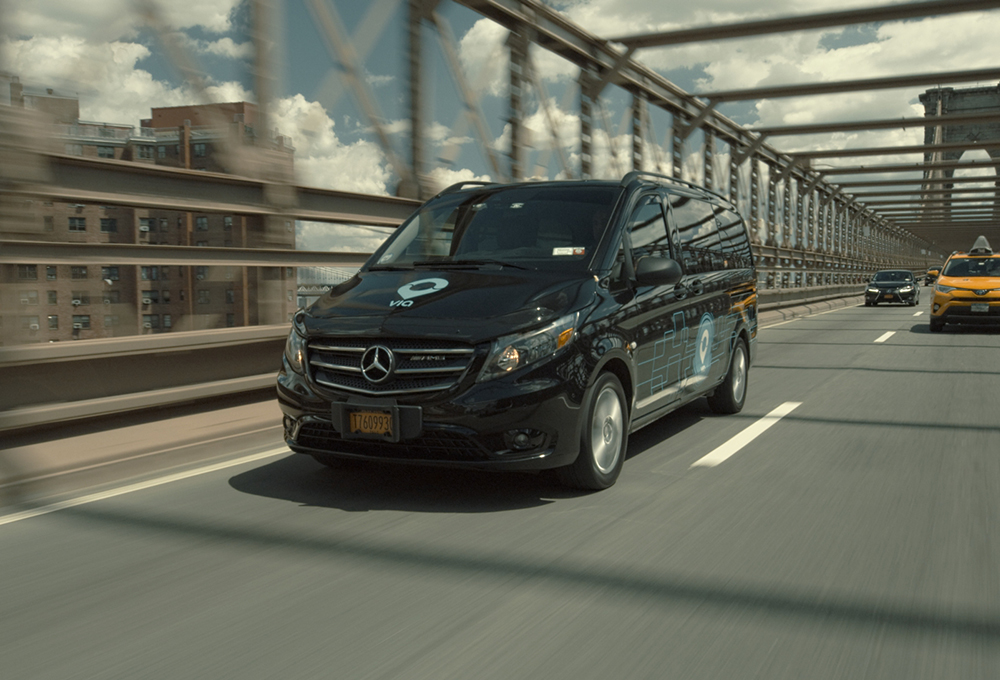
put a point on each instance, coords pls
(421, 366)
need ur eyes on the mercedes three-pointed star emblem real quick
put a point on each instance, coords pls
(378, 363)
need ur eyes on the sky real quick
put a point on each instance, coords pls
(110, 54)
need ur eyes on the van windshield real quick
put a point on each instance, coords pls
(532, 226)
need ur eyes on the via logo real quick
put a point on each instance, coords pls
(703, 351)
(417, 288)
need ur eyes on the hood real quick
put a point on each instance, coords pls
(891, 284)
(466, 305)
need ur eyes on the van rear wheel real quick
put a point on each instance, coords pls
(604, 438)
(730, 395)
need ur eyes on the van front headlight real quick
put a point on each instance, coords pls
(512, 352)
(295, 346)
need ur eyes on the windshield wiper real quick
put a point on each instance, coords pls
(389, 268)
(468, 263)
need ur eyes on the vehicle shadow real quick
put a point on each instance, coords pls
(666, 427)
(967, 329)
(365, 487)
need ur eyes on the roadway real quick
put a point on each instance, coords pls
(857, 537)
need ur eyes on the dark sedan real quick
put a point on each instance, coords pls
(892, 285)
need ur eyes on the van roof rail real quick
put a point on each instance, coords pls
(639, 174)
(458, 186)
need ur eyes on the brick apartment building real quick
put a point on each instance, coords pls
(45, 303)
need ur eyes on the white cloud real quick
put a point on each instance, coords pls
(345, 238)
(223, 47)
(105, 20)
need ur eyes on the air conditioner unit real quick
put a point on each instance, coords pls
(77, 326)
(24, 302)
(147, 301)
(107, 301)
(147, 325)
(76, 303)
(200, 277)
(144, 228)
(33, 327)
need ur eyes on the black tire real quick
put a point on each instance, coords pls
(603, 440)
(868, 303)
(936, 325)
(731, 394)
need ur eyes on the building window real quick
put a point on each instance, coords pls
(53, 297)
(78, 224)
(152, 295)
(201, 223)
(51, 273)
(161, 152)
(203, 298)
(150, 320)
(105, 152)
(78, 272)
(183, 296)
(29, 297)
(163, 224)
(144, 151)
(164, 272)
(230, 296)
(29, 323)
(199, 150)
(289, 295)
(53, 322)
(109, 273)
(201, 244)
(48, 223)
(227, 222)
(74, 149)
(166, 296)
(112, 297)
(230, 320)
(109, 224)
(200, 273)
(149, 273)
(167, 322)
(147, 224)
(81, 321)
(81, 297)
(27, 272)
(110, 320)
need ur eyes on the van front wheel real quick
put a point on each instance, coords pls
(603, 440)
(732, 392)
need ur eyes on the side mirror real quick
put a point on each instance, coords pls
(657, 271)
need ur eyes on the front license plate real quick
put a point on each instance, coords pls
(981, 307)
(888, 296)
(377, 423)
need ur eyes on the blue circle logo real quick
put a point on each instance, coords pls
(703, 349)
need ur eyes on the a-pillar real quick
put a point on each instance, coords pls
(638, 113)
(586, 124)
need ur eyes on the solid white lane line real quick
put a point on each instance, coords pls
(723, 452)
(918, 314)
(121, 491)
(886, 336)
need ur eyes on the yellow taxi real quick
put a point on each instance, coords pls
(967, 290)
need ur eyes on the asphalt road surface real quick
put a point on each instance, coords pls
(857, 535)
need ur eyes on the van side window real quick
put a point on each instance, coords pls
(735, 241)
(649, 230)
(696, 227)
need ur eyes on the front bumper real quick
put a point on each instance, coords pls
(947, 309)
(891, 295)
(468, 429)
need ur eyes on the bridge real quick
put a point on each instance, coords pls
(154, 524)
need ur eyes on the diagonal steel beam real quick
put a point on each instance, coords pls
(881, 124)
(911, 167)
(896, 150)
(331, 29)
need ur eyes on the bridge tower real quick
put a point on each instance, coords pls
(943, 101)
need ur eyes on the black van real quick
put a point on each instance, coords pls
(527, 326)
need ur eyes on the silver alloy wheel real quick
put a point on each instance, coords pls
(739, 373)
(606, 429)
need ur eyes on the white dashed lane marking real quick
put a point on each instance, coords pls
(886, 336)
(918, 314)
(723, 452)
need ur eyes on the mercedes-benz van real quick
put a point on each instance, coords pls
(527, 326)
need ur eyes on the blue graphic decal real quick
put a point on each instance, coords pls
(703, 350)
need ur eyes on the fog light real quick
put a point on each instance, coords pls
(523, 439)
(937, 307)
(289, 423)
